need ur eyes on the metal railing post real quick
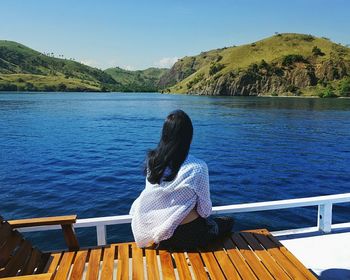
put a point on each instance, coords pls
(324, 220)
(101, 235)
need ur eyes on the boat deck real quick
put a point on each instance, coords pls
(327, 255)
(305, 253)
(254, 254)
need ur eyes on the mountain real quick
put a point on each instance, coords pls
(140, 80)
(284, 64)
(24, 69)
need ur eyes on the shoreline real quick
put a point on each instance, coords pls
(177, 93)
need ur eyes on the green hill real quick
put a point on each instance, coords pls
(139, 80)
(22, 68)
(285, 64)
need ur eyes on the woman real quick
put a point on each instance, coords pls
(174, 208)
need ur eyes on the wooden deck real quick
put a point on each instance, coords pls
(246, 255)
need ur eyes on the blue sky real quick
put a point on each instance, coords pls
(139, 34)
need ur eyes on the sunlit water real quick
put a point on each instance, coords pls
(83, 153)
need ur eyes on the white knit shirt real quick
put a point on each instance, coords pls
(160, 208)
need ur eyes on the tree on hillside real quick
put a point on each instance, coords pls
(29, 86)
(292, 58)
(253, 68)
(316, 51)
(8, 87)
(62, 87)
(215, 67)
(263, 64)
(344, 87)
(328, 92)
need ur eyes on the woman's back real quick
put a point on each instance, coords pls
(177, 186)
(170, 202)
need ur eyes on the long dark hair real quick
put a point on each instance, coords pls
(172, 149)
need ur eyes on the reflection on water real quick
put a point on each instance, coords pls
(289, 103)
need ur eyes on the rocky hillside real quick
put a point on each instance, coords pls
(285, 64)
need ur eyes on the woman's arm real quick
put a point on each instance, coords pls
(204, 205)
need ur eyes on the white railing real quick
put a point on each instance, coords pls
(324, 217)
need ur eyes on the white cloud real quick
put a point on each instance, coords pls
(89, 62)
(166, 62)
(100, 64)
(129, 67)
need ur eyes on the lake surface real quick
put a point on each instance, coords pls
(83, 153)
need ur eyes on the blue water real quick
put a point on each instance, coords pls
(83, 153)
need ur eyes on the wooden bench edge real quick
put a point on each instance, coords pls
(45, 221)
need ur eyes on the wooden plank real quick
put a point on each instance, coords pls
(137, 262)
(223, 260)
(94, 264)
(70, 237)
(212, 266)
(257, 267)
(197, 266)
(65, 265)
(279, 257)
(123, 261)
(43, 276)
(79, 265)
(265, 257)
(151, 264)
(226, 265)
(13, 241)
(54, 261)
(108, 263)
(182, 266)
(46, 221)
(167, 265)
(32, 263)
(290, 256)
(241, 265)
(17, 261)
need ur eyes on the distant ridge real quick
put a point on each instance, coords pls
(284, 64)
(139, 80)
(24, 69)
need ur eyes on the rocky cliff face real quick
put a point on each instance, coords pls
(178, 72)
(272, 79)
(285, 64)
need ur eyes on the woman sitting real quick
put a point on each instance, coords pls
(174, 208)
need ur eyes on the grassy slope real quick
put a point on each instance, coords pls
(22, 68)
(140, 80)
(48, 83)
(271, 49)
(20, 65)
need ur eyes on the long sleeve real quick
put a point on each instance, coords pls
(202, 189)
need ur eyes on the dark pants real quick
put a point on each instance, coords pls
(198, 233)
